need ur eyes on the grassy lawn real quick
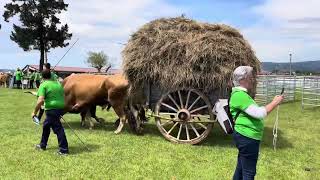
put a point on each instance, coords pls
(127, 156)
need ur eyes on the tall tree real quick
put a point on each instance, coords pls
(98, 60)
(40, 27)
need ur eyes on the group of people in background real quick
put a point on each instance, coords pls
(32, 77)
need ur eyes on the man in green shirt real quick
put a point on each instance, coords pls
(51, 94)
(54, 76)
(31, 78)
(19, 76)
(249, 123)
(37, 78)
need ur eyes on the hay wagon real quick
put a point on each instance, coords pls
(184, 115)
(178, 68)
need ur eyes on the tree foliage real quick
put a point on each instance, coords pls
(98, 60)
(40, 27)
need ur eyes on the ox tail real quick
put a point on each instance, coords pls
(121, 90)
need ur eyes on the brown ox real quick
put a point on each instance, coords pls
(3, 79)
(85, 91)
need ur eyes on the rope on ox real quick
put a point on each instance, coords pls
(74, 132)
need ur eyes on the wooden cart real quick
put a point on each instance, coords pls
(184, 115)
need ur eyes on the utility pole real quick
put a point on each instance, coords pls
(290, 64)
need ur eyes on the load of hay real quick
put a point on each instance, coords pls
(180, 53)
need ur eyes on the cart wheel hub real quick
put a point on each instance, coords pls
(184, 115)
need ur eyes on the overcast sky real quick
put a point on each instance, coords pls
(274, 28)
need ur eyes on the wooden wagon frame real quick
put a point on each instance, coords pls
(182, 115)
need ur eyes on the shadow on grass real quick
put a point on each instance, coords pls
(81, 148)
(78, 148)
(217, 137)
(76, 125)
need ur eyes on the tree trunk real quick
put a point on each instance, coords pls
(41, 58)
(42, 46)
(108, 68)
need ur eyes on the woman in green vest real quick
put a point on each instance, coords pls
(249, 124)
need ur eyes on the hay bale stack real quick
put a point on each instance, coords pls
(180, 53)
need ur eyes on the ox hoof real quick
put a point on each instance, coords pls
(139, 131)
(100, 120)
(119, 129)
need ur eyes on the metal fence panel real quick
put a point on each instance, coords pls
(269, 86)
(311, 91)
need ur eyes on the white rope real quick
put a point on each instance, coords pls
(275, 129)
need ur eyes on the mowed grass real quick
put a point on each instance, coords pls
(128, 156)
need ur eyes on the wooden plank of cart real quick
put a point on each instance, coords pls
(178, 68)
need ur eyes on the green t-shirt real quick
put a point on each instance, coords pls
(53, 94)
(245, 124)
(54, 76)
(37, 76)
(18, 75)
(32, 75)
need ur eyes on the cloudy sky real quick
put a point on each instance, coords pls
(274, 28)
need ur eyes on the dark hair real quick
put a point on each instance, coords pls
(46, 74)
(47, 65)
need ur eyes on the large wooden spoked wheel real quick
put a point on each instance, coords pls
(184, 116)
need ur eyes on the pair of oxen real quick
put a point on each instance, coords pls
(84, 92)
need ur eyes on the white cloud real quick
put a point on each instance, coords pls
(112, 19)
(289, 9)
(103, 24)
(286, 26)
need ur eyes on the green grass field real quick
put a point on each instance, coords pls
(128, 156)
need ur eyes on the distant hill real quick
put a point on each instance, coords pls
(6, 70)
(306, 66)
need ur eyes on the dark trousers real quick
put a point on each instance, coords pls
(18, 84)
(247, 157)
(37, 83)
(31, 84)
(53, 121)
(41, 111)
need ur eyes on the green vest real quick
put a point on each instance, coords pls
(18, 75)
(37, 76)
(245, 124)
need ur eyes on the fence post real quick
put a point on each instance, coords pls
(294, 88)
(302, 95)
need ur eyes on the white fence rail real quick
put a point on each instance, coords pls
(311, 92)
(307, 86)
(269, 86)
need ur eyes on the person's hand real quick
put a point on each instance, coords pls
(278, 99)
(32, 114)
